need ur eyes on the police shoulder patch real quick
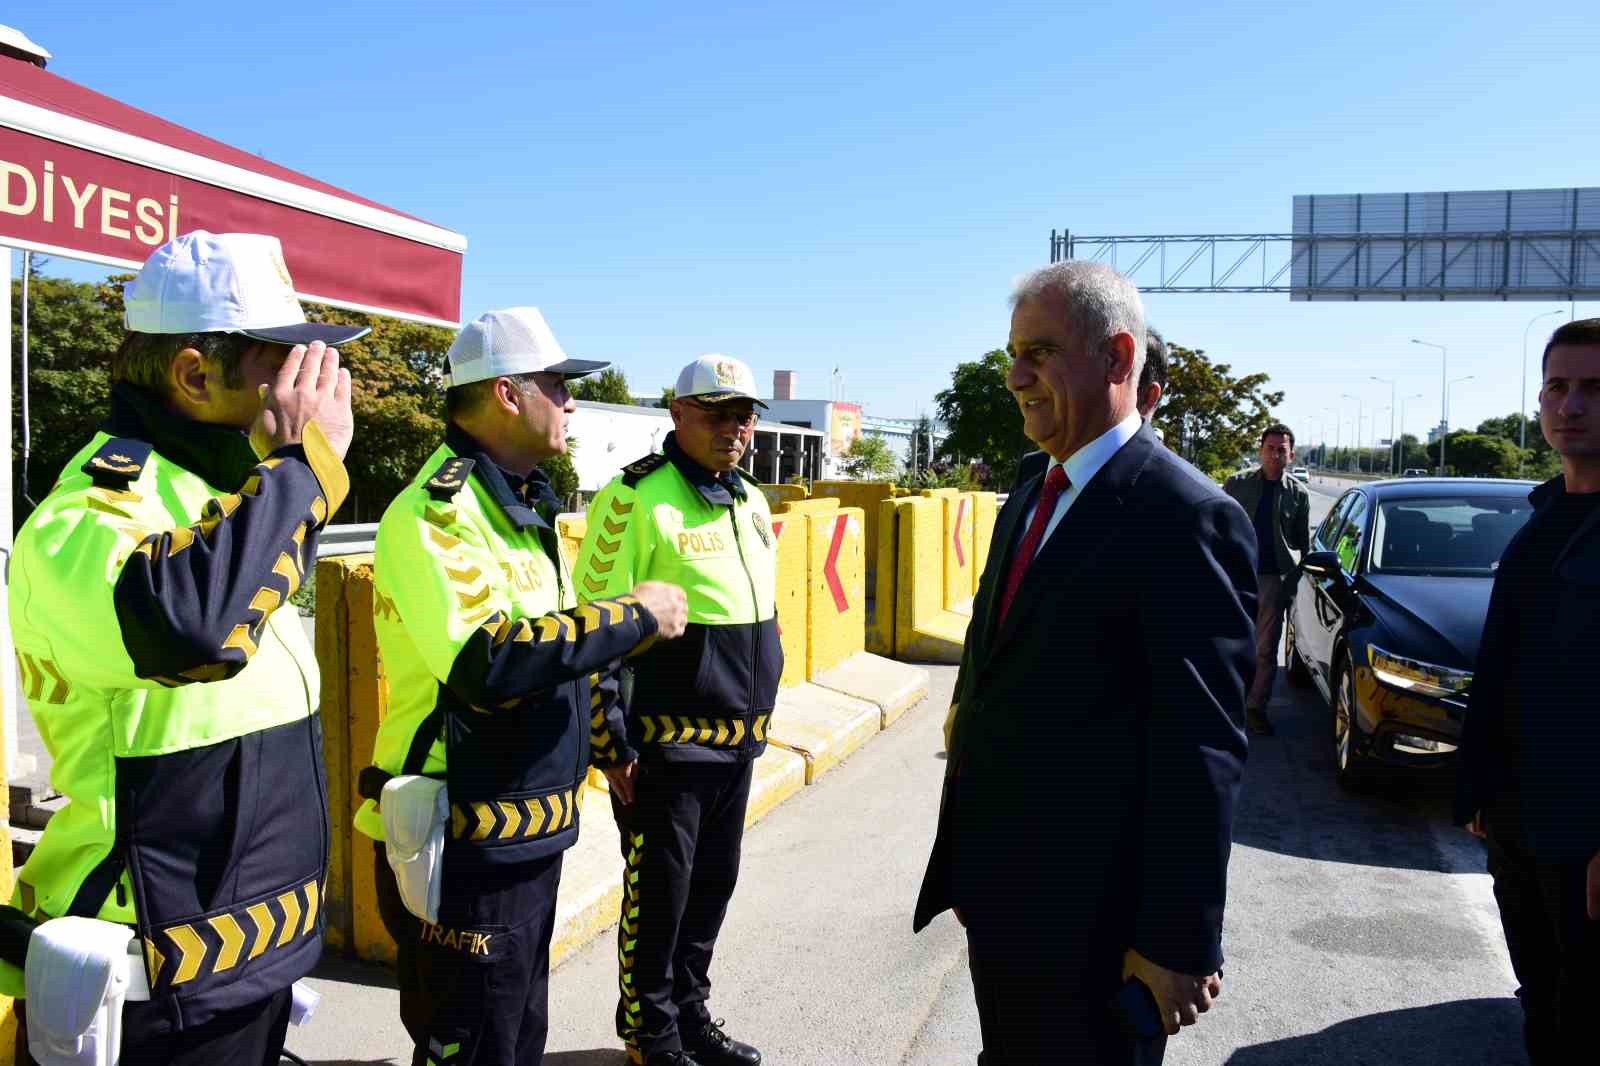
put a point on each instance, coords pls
(635, 471)
(450, 477)
(118, 463)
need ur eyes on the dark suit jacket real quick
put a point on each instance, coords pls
(1098, 740)
(1558, 728)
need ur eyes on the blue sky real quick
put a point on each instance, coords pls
(834, 185)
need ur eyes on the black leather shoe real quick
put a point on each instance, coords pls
(672, 1058)
(710, 1046)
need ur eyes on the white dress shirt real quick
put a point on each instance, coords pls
(1082, 465)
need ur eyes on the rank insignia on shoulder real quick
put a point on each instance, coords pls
(448, 479)
(634, 471)
(118, 463)
(759, 520)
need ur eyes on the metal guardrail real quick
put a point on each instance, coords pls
(349, 539)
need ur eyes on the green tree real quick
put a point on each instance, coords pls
(397, 393)
(608, 386)
(869, 459)
(1477, 455)
(982, 418)
(1210, 417)
(668, 394)
(1510, 427)
(73, 327)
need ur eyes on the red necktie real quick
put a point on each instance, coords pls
(1055, 483)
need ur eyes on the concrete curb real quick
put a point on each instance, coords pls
(822, 725)
(894, 687)
(590, 896)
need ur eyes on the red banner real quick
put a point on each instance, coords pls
(80, 201)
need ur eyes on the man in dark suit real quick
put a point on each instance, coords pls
(1097, 740)
(1527, 783)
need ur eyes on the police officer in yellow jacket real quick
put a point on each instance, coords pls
(679, 754)
(176, 695)
(493, 673)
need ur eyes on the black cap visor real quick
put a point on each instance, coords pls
(330, 333)
(574, 368)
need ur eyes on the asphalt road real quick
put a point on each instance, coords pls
(1360, 929)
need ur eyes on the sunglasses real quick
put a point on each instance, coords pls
(743, 419)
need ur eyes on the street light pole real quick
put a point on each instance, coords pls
(1389, 382)
(1335, 414)
(1357, 399)
(1522, 396)
(1444, 399)
(1401, 462)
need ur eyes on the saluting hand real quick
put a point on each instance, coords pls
(310, 385)
(1180, 998)
(666, 604)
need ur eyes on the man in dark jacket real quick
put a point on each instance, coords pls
(1131, 676)
(1280, 508)
(1528, 784)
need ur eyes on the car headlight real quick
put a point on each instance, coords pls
(1415, 676)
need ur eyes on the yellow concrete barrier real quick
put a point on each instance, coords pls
(778, 495)
(885, 574)
(355, 698)
(570, 529)
(793, 594)
(836, 619)
(869, 496)
(923, 628)
(959, 564)
(985, 508)
(811, 506)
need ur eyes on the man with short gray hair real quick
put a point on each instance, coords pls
(1104, 933)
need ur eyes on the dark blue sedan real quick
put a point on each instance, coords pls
(1389, 608)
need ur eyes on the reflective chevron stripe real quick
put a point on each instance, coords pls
(499, 821)
(215, 944)
(718, 733)
(628, 939)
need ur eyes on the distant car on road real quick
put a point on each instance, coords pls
(1388, 611)
(1414, 471)
(1300, 472)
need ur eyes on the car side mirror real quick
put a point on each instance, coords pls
(1321, 564)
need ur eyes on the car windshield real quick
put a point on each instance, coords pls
(1446, 534)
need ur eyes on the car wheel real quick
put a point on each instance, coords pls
(1295, 667)
(1351, 763)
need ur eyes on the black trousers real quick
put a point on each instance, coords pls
(1031, 1013)
(246, 1036)
(474, 988)
(681, 839)
(1554, 947)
